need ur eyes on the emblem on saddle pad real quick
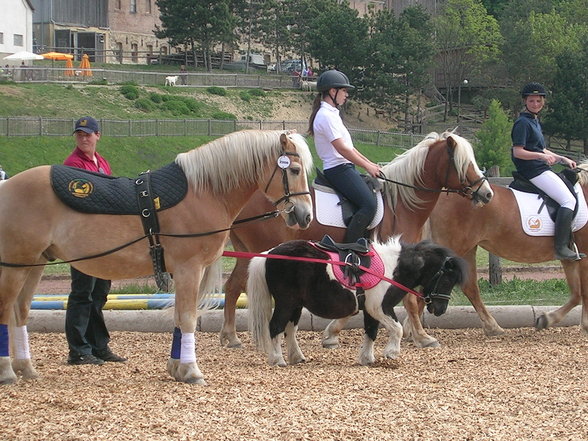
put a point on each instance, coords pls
(80, 188)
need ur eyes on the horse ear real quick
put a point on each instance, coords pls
(451, 142)
(284, 139)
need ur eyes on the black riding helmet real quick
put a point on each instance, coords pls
(533, 89)
(333, 79)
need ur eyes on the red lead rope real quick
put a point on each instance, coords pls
(240, 254)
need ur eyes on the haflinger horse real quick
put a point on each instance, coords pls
(415, 179)
(219, 178)
(497, 228)
(294, 284)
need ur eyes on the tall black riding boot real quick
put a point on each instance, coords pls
(563, 235)
(356, 228)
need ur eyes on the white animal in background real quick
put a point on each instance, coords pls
(171, 80)
(308, 85)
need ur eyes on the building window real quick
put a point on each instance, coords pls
(134, 53)
(118, 5)
(148, 6)
(1, 37)
(149, 49)
(18, 40)
(133, 6)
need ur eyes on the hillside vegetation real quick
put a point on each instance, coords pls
(132, 155)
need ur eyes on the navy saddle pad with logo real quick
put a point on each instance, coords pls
(96, 193)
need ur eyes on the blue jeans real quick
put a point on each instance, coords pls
(347, 181)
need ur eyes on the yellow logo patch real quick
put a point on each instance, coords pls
(80, 188)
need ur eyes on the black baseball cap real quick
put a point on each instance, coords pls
(87, 124)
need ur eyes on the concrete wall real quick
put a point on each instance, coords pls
(16, 19)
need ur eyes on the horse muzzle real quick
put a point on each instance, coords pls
(299, 216)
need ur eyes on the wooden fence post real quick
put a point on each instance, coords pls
(494, 266)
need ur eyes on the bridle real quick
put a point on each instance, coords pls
(465, 191)
(429, 297)
(283, 163)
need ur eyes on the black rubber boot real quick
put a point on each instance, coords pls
(563, 235)
(356, 228)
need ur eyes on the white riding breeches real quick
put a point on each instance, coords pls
(555, 188)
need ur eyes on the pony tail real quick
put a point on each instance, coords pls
(316, 104)
(260, 305)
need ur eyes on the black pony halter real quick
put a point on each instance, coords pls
(435, 281)
(283, 163)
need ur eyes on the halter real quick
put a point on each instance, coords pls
(434, 295)
(283, 163)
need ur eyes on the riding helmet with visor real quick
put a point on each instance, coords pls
(333, 79)
(533, 89)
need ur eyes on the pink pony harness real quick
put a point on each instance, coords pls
(366, 280)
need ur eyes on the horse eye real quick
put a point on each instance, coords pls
(295, 171)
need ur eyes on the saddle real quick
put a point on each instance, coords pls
(569, 177)
(356, 253)
(348, 208)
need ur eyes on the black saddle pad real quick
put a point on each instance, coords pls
(96, 193)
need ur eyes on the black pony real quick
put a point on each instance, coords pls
(294, 284)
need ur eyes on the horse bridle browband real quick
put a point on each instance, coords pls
(289, 206)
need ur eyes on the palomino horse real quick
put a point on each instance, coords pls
(221, 176)
(496, 227)
(415, 180)
(294, 284)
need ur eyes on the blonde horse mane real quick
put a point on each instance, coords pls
(408, 168)
(583, 175)
(237, 159)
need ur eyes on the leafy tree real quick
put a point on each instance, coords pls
(400, 55)
(196, 24)
(468, 40)
(337, 37)
(567, 113)
(536, 32)
(492, 144)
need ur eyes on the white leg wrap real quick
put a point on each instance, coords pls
(188, 351)
(21, 343)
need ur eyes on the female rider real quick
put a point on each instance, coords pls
(533, 161)
(335, 148)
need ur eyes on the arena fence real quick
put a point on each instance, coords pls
(40, 126)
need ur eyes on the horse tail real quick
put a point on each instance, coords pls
(259, 304)
(210, 286)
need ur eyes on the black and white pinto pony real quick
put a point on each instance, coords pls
(294, 284)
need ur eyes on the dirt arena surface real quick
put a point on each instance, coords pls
(526, 385)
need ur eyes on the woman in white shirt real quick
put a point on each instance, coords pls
(335, 148)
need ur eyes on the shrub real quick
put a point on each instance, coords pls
(100, 82)
(145, 104)
(155, 97)
(223, 115)
(176, 107)
(256, 92)
(194, 106)
(245, 96)
(130, 91)
(214, 90)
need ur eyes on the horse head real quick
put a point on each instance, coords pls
(471, 182)
(287, 185)
(434, 268)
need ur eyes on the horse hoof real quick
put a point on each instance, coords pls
(25, 368)
(431, 344)
(234, 345)
(198, 381)
(8, 380)
(541, 322)
(495, 332)
(329, 344)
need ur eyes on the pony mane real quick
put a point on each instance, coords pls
(237, 159)
(583, 175)
(408, 168)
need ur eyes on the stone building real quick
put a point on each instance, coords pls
(107, 30)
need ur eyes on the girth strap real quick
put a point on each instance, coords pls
(148, 213)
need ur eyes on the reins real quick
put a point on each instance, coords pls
(240, 254)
